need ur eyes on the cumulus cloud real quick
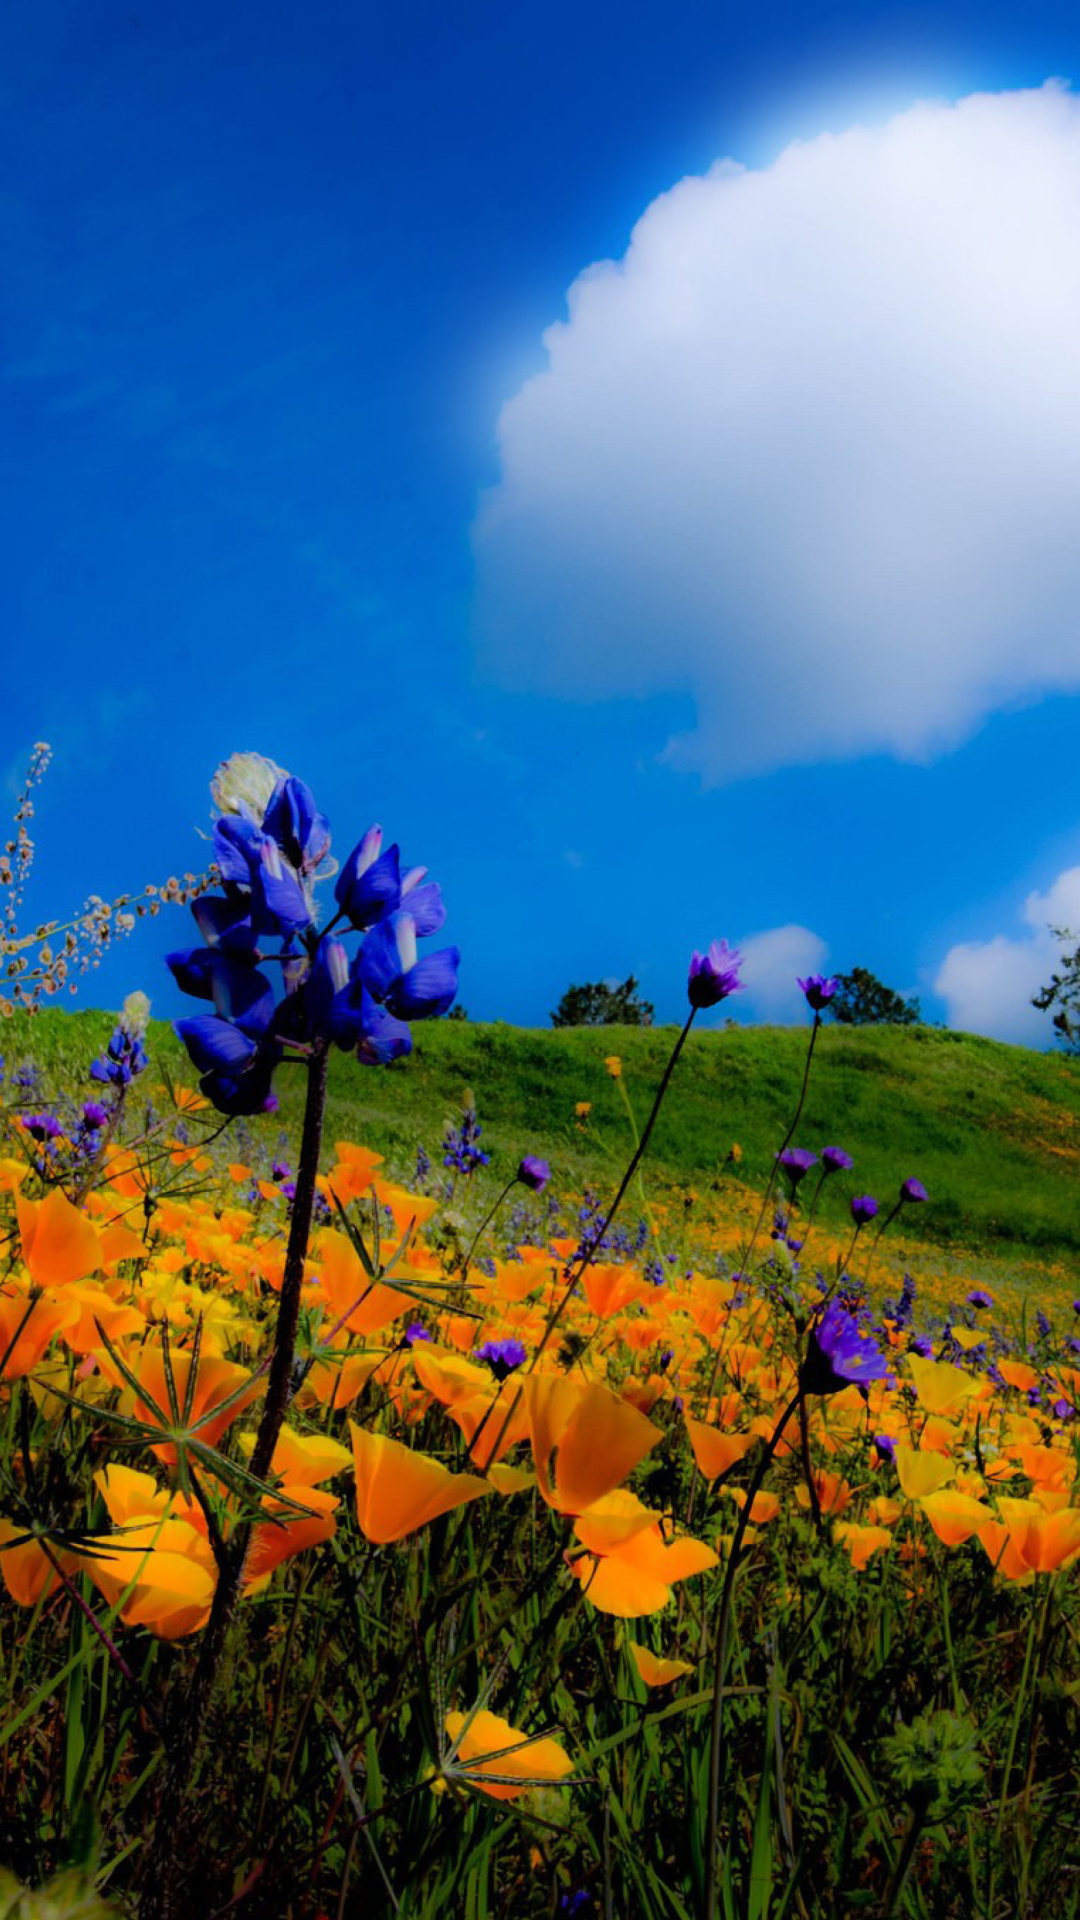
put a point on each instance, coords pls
(773, 962)
(810, 452)
(987, 985)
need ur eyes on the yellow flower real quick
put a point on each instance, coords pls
(583, 1107)
(614, 1066)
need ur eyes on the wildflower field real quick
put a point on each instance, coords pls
(625, 1518)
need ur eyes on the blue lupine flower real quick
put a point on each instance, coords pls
(460, 1149)
(412, 987)
(268, 864)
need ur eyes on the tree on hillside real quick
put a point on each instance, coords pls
(599, 1004)
(1063, 993)
(862, 1000)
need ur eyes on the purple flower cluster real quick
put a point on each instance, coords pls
(268, 856)
(123, 1060)
(460, 1149)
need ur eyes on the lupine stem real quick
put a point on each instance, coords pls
(161, 1898)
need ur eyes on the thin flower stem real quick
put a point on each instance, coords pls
(581, 1260)
(484, 1224)
(789, 1135)
(716, 1729)
(107, 1642)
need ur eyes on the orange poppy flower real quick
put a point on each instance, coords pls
(59, 1243)
(596, 1437)
(496, 1758)
(27, 1325)
(398, 1490)
(652, 1669)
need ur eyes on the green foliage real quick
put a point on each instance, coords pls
(862, 1000)
(935, 1762)
(598, 1004)
(855, 1779)
(1063, 994)
(993, 1131)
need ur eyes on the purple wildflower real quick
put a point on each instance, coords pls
(502, 1356)
(415, 1331)
(863, 1209)
(885, 1446)
(840, 1354)
(835, 1160)
(534, 1173)
(94, 1114)
(913, 1190)
(797, 1162)
(819, 990)
(978, 1297)
(714, 975)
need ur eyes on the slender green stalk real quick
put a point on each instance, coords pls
(716, 1729)
(162, 1899)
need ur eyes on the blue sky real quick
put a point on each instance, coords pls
(293, 462)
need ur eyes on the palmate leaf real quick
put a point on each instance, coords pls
(425, 1294)
(243, 1484)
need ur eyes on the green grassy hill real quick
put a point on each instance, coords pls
(992, 1131)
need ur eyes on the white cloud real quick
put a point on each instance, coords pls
(810, 452)
(987, 985)
(773, 962)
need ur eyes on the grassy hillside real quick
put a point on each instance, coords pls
(992, 1131)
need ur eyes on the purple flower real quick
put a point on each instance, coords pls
(714, 975)
(835, 1160)
(43, 1126)
(94, 1115)
(923, 1346)
(819, 990)
(797, 1162)
(885, 1446)
(533, 1173)
(913, 1190)
(863, 1209)
(416, 1331)
(502, 1356)
(839, 1354)
(978, 1297)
